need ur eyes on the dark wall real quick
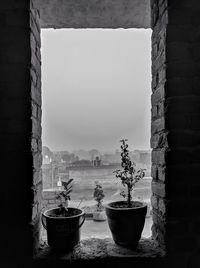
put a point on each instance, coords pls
(175, 131)
(176, 128)
(20, 130)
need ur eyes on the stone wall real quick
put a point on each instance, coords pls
(175, 128)
(175, 131)
(36, 143)
(15, 120)
(20, 130)
(158, 128)
(49, 199)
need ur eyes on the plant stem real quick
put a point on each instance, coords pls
(129, 197)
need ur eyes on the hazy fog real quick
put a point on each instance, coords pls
(96, 87)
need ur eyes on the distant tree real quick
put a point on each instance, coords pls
(93, 153)
(66, 158)
(69, 158)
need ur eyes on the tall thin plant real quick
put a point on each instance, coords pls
(129, 175)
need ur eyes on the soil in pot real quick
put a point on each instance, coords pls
(61, 212)
(123, 204)
(126, 224)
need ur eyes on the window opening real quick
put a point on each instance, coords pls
(96, 88)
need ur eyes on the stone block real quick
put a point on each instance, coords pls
(158, 125)
(182, 69)
(158, 95)
(181, 33)
(158, 157)
(184, 104)
(154, 172)
(14, 17)
(36, 127)
(154, 202)
(182, 86)
(184, 173)
(182, 121)
(159, 141)
(158, 189)
(37, 160)
(8, 53)
(20, 74)
(15, 35)
(183, 155)
(178, 51)
(36, 94)
(36, 63)
(162, 206)
(157, 111)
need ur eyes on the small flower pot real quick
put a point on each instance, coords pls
(99, 216)
(63, 233)
(126, 224)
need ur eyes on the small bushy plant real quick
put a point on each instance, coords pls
(98, 196)
(129, 175)
(64, 197)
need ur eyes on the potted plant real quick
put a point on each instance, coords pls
(63, 223)
(126, 218)
(99, 212)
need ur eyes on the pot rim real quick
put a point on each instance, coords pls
(143, 204)
(82, 213)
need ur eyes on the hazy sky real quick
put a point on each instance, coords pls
(96, 88)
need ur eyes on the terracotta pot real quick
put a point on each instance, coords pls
(126, 224)
(63, 233)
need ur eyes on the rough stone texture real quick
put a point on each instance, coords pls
(49, 200)
(15, 132)
(94, 248)
(36, 144)
(94, 13)
(159, 141)
(20, 190)
(175, 127)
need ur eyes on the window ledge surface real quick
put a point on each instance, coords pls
(95, 248)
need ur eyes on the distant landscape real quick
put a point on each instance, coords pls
(87, 167)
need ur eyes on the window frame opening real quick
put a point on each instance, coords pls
(159, 248)
(75, 172)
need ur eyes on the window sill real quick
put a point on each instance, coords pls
(94, 248)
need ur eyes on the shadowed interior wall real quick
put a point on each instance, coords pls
(175, 130)
(20, 132)
(175, 137)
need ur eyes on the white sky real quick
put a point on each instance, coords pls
(96, 88)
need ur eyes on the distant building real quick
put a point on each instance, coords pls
(47, 155)
(81, 163)
(96, 162)
(46, 160)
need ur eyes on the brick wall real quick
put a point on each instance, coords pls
(19, 117)
(49, 199)
(159, 141)
(36, 143)
(176, 128)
